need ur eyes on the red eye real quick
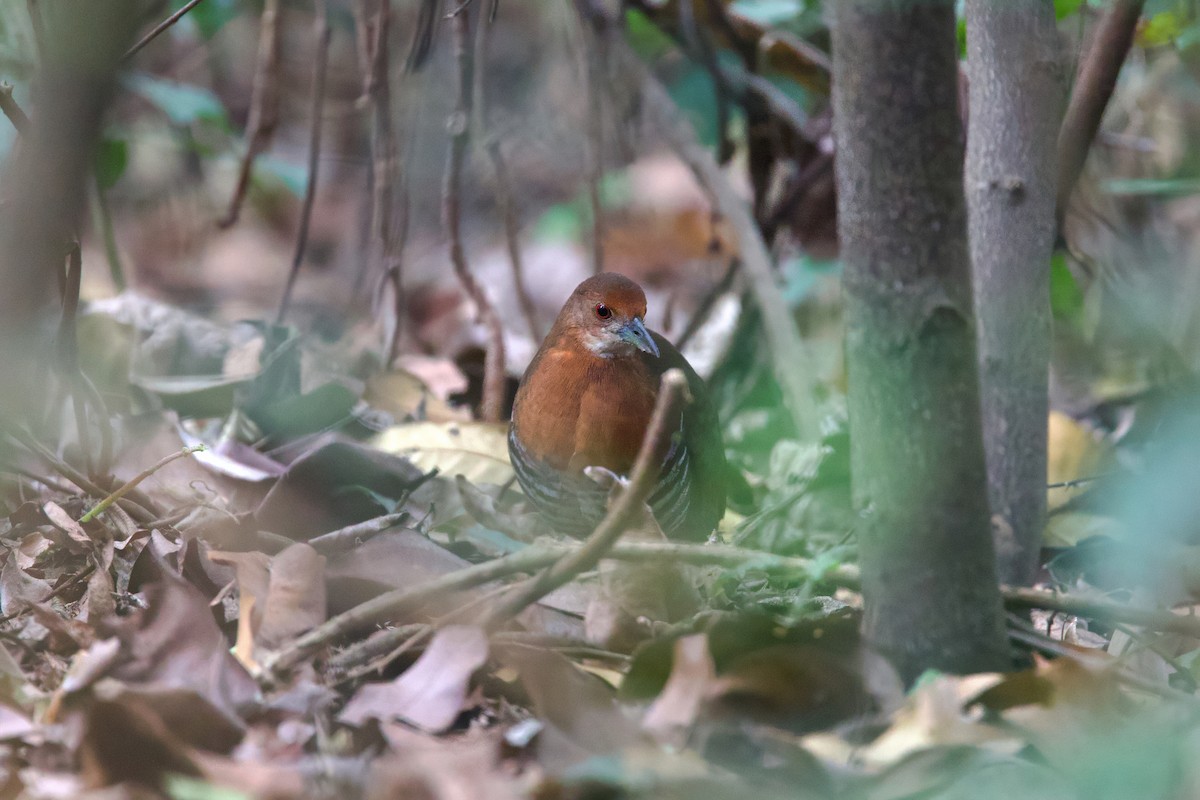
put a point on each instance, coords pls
(603, 311)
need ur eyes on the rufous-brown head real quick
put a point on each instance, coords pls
(605, 315)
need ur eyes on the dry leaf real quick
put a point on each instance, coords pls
(676, 709)
(430, 693)
(477, 451)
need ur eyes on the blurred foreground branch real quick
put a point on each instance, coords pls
(793, 365)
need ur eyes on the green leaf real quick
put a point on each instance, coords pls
(1066, 298)
(1162, 29)
(111, 157)
(183, 103)
(1160, 187)
(768, 12)
(560, 222)
(182, 787)
(1065, 8)
(210, 16)
(645, 37)
(293, 176)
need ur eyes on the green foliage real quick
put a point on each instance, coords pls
(210, 16)
(769, 12)
(184, 104)
(1152, 187)
(1066, 298)
(1065, 8)
(111, 157)
(181, 787)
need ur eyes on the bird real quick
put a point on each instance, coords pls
(586, 400)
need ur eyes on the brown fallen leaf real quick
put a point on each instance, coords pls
(125, 742)
(676, 709)
(430, 694)
(280, 597)
(19, 589)
(580, 711)
(175, 643)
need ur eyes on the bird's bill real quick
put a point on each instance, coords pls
(636, 334)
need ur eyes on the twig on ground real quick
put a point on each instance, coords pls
(346, 538)
(1071, 484)
(458, 126)
(9, 107)
(159, 28)
(314, 152)
(135, 480)
(141, 512)
(1093, 88)
(622, 514)
(390, 604)
(1151, 618)
(792, 363)
(264, 106)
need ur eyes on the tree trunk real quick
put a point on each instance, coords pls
(929, 573)
(43, 185)
(1016, 104)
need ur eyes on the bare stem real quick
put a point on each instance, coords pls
(125, 488)
(159, 28)
(459, 126)
(1094, 87)
(9, 107)
(264, 106)
(314, 153)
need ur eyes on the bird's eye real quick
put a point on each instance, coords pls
(603, 311)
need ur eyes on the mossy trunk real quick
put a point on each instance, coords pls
(917, 460)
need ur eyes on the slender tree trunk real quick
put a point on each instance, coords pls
(1016, 104)
(43, 185)
(929, 574)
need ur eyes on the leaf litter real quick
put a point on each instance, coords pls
(140, 643)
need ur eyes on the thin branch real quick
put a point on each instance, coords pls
(68, 352)
(15, 115)
(323, 34)
(592, 51)
(392, 604)
(622, 514)
(512, 237)
(159, 28)
(700, 44)
(264, 106)
(334, 542)
(129, 485)
(142, 514)
(1097, 79)
(709, 302)
(383, 145)
(112, 254)
(458, 126)
(504, 184)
